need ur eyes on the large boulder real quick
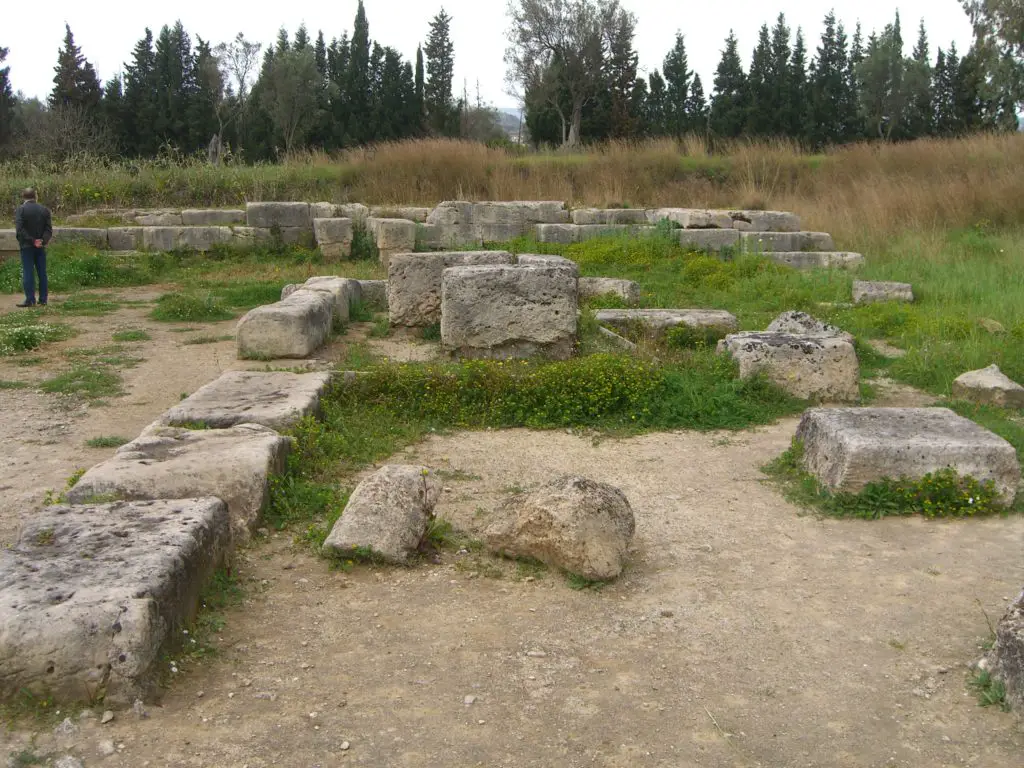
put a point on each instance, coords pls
(575, 524)
(334, 237)
(658, 321)
(283, 215)
(414, 282)
(808, 367)
(847, 448)
(278, 400)
(212, 217)
(233, 464)
(802, 324)
(292, 328)
(90, 595)
(1006, 660)
(989, 386)
(387, 514)
(868, 292)
(593, 287)
(508, 311)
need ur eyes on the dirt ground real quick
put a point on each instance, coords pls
(744, 633)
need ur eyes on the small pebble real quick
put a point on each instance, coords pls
(667, 614)
(200, 694)
(469, 700)
(344, 746)
(106, 748)
(107, 717)
(536, 654)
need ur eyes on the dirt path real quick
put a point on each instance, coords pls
(743, 634)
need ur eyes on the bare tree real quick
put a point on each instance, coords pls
(65, 132)
(291, 95)
(237, 62)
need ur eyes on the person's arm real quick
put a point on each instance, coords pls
(47, 227)
(19, 226)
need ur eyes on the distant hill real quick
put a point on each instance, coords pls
(510, 120)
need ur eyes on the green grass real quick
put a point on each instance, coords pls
(991, 692)
(107, 441)
(25, 331)
(89, 381)
(190, 308)
(112, 354)
(208, 339)
(87, 306)
(222, 592)
(25, 757)
(131, 334)
(7, 384)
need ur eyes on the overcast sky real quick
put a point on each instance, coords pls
(107, 30)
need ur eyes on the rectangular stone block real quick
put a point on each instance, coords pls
(9, 240)
(392, 236)
(564, 234)
(521, 212)
(693, 218)
(500, 233)
(374, 294)
(636, 216)
(323, 211)
(355, 211)
(814, 241)
(768, 242)
(594, 287)
(334, 237)
(847, 448)
(277, 400)
(594, 231)
(292, 328)
(544, 260)
(1006, 659)
(765, 221)
(125, 238)
(283, 215)
(94, 237)
(341, 290)
(502, 312)
(657, 321)
(817, 259)
(412, 213)
(203, 238)
(233, 464)
(159, 219)
(709, 239)
(250, 235)
(414, 282)
(212, 217)
(161, 239)
(866, 292)
(91, 595)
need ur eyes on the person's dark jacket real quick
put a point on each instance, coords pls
(32, 222)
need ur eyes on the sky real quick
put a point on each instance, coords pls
(107, 30)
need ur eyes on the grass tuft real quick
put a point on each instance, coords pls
(190, 308)
(107, 441)
(132, 334)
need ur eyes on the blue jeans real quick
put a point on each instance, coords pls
(33, 260)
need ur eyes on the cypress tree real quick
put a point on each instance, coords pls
(301, 38)
(320, 54)
(419, 85)
(919, 120)
(138, 133)
(797, 124)
(7, 105)
(779, 84)
(697, 107)
(75, 83)
(729, 103)
(440, 54)
(655, 111)
(358, 86)
(830, 87)
(760, 101)
(677, 88)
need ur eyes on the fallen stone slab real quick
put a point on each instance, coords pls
(619, 341)
(989, 386)
(506, 311)
(374, 294)
(573, 523)
(802, 324)
(865, 292)
(765, 221)
(293, 328)
(233, 464)
(414, 282)
(212, 217)
(817, 259)
(1006, 660)
(387, 514)
(709, 239)
(820, 368)
(94, 237)
(91, 595)
(593, 287)
(124, 239)
(637, 216)
(543, 260)
(657, 321)
(283, 215)
(847, 448)
(563, 234)
(277, 400)
(334, 237)
(342, 290)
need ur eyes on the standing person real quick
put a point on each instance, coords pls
(33, 229)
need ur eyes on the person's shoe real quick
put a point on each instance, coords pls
(24, 304)
(42, 303)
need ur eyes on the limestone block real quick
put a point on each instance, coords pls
(334, 237)
(250, 235)
(432, 237)
(1006, 660)
(342, 290)
(765, 221)
(161, 238)
(505, 311)
(867, 292)
(277, 400)
(817, 259)
(124, 238)
(414, 282)
(232, 464)
(802, 324)
(282, 215)
(808, 367)
(769, 242)
(847, 448)
(814, 241)
(635, 216)
(323, 211)
(9, 240)
(387, 514)
(657, 321)
(454, 219)
(159, 219)
(90, 595)
(94, 237)
(522, 212)
(294, 327)
(692, 218)
(564, 234)
(409, 212)
(572, 523)
(543, 260)
(374, 294)
(203, 238)
(212, 217)
(355, 211)
(709, 239)
(392, 236)
(989, 386)
(627, 290)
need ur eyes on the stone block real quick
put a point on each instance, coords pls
(847, 448)
(592, 287)
(500, 233)
(212, 217)
(595, 231)
(9, 240)
(823, 369)
(374, 294)
(334, 237)
(802, 324)
(634, 216)
(769, 242)
(267, 215)
(563, 234)
(867, 292)
(203, 238)
(161, 238)
(94, 237)
(323, 211)
(522, 212)
(342, 290)
(91, 595)
(233, 464)
(817, 259)
(414, 282)
(250, 235)
(409, 212)
(765, 221)
(125, 238)
(392, 236)
(692, 218)
(1006, 660)
(159, 219)
(814, 241)
(989, 386)
(709, 239)
(278, 400)
(544, 260)
(293, 328)
(358, 212)
(506, 311)
(433, 237)
(657, 321)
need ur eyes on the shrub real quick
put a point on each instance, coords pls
(187, 308)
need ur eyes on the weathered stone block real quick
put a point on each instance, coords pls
(212, 217)
(294, 327)
(709, 239)
(125, 238)
(1006, 660)
(765, 221)
(814, 241)
(414, 282)
(90, 595)
(412, 213)
(356, 211)
(232, 464)
(657, 321)
(692, 218)
(342, 290)
(593, 231)
(203, 238)
(768, 242)
(277, 400)
(564, 234)
(432, 237)
(802, 324)
(94, 237)
(866, 292)
(989, 386)
(521, 212)
(323, 211)
(809, 367)
(508, 311)
(334, 237)
(627, 290)
(159, 219)
(374, 294)
(847, 448)
(161, 238)
(282, 215)
(392, 236)
(817, 259)
(9, 240)
(250, 235)
(635, 216)
(543, 260)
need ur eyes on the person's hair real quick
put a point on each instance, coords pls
(28, 194)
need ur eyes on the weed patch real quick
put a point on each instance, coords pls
(107, 441)
(89, 381)
(131, 334)
(991, 691)
(6, 384)
(25, 331)
(208, 339)
(190, 308)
